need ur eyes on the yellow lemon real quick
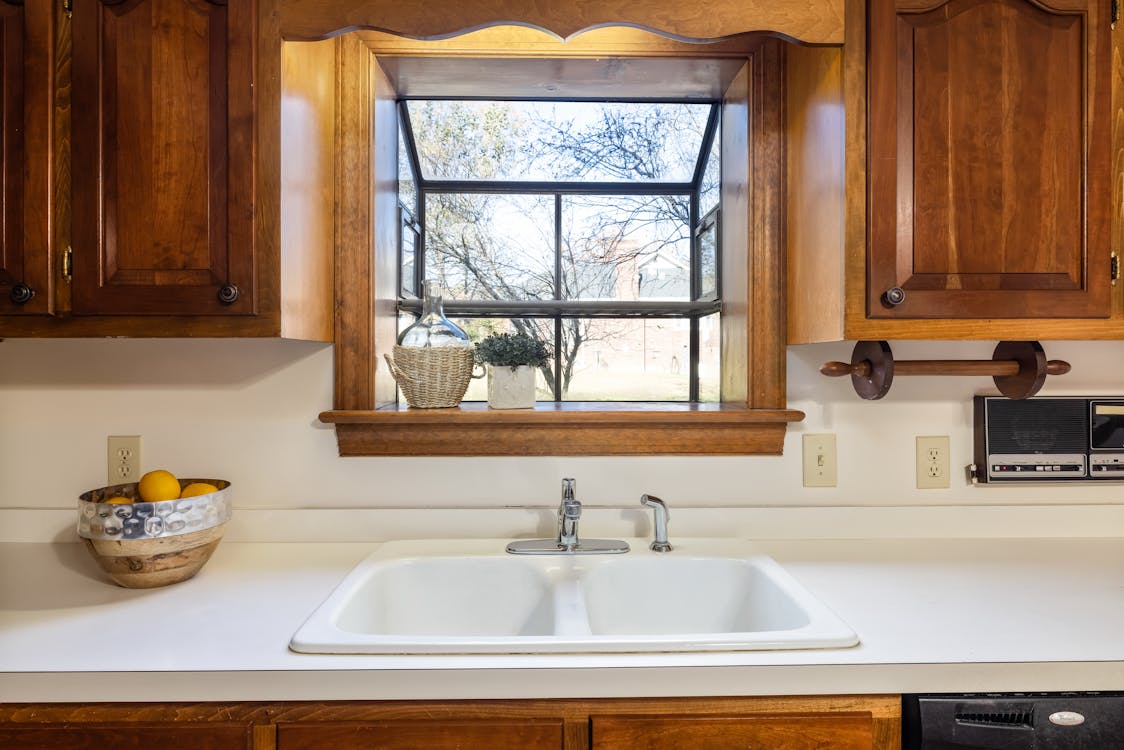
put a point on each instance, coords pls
(158, 485)
(118, 500)
(198, 488)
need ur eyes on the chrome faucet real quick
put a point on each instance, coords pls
(569, 511)
(660, 544)
(567, 541)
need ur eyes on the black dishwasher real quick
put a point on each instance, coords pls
(1013, 721)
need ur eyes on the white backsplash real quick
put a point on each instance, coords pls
(246, 410)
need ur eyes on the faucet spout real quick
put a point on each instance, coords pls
(569, 512)
(660, 543)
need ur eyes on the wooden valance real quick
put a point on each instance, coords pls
(808, 21)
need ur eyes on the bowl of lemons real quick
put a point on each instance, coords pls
(155, 532)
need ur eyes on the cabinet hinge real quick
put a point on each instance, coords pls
(68, 264)
(68, 7)
(1114, 268)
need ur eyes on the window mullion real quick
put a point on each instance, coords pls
(558, 296)
(696, 290)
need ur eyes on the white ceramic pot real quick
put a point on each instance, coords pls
(511, 387)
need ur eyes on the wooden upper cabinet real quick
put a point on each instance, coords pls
(163, 145)
(26, 39)
(989, 158)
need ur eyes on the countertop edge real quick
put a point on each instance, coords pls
(610, 682)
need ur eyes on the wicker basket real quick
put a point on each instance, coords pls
(431, 377)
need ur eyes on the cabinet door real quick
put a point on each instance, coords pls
(125, 736)
(26, 39)
(990, 158)
(163, 151)
(779, 732)
(493, 734)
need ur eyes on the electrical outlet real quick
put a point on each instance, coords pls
(932, 462)
(123, 458)
(819, 460)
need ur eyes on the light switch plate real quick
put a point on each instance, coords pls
(819, 460)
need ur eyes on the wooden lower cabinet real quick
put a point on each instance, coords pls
(772, 731)
(126, 736)
(760, 723)
(520, 734)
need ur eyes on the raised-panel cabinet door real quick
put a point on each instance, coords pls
(122, 736)
(468, 734)
(26, 39)
(163, 153)
(774, 732)
(990, 158)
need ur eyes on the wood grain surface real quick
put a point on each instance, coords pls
(989, 175)
(875, 720)
(814, 22)
(163, 124)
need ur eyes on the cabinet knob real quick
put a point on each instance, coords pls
(21, 293)
(228, 294)
(893, 297)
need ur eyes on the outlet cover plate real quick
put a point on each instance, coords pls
(819, 460)
(932, 462)
(122, 459)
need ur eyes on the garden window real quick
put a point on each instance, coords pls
(589, 225)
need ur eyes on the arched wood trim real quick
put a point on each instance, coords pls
(1057, 8)
(809, 21)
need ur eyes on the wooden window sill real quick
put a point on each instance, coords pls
(566, 429)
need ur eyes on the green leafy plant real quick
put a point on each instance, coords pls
(512, 350)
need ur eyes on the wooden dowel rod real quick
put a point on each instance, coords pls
(956, 367)
(994, 368)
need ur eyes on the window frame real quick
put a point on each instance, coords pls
(752, 417)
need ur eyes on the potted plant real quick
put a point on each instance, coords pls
(512, 359)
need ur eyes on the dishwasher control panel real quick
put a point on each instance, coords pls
(1013, 721)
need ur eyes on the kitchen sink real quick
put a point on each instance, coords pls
(469, 596)
(450, 597)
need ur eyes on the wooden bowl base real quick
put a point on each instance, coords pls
(149, 563)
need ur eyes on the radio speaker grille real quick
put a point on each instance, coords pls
(1057, 425)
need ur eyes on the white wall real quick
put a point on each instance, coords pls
(246, 410)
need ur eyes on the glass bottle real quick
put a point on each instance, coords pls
(433, 329)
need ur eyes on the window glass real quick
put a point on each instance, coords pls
(710, 350)
(484, 246)
(558, 141)
(540, 328)
(629, 359)
(407, 185)
(708, 259)
(710, 189)
(409, 256)
(626, 247)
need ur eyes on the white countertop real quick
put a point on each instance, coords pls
(932, 615)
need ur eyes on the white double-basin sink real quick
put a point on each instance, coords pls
(471, 597)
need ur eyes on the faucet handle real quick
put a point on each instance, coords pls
(570, 507)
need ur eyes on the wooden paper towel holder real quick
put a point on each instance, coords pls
(1019, 368)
